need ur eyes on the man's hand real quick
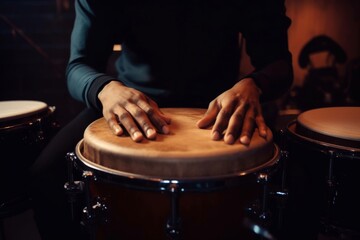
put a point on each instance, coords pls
(125, 107)
(235, 113)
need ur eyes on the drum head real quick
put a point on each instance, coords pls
(17, 109)
(335, 127)
(186, 153)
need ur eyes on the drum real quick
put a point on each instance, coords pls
(324, 158)
(181, 185)
(25, 128)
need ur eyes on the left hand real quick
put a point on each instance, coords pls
(235, 113)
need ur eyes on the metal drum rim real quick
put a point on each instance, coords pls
(350, 151)
(186, 184)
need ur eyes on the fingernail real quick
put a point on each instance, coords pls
(117, 130)
(245, 140)
(165, 129)
(263, 132)
(137, 136)
(150, 133)
(215, 135)
(229, 138)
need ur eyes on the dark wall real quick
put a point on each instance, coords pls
(34, 49)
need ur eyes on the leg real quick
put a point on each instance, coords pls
(47, 177)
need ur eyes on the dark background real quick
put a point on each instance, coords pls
(35, 36)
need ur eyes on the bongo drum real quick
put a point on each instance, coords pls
(181, 184)
(325, 148)
(25, 128)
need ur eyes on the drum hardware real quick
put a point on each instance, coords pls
(331, 181)
(260, 231)
(281, 195)
(260, 216)
(74, 189)
(275, 192)
(95, 210)
(173, 226)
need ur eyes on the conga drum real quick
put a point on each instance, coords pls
(180, 186)
(324, 150)
(25, 128)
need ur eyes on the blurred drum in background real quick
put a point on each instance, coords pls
(25, 128)
(181, 185)
(323, 166)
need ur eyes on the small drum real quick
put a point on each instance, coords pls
(324, 150)
(181, 184)
(25, 128)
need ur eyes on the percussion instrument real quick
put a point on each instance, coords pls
(181, 184)
(325, 156)
(25, 128)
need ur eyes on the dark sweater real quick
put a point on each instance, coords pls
(179, 53)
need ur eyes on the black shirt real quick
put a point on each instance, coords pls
(179, 53)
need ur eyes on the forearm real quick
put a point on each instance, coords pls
(91, 46)
(267, 45)
(274, 80)
(84, 83)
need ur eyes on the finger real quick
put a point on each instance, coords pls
(158, 119)
(260, 122)
(128, 122)
(161, 120)
(248, 126)
(114, 125)
(160, 123)
(143, 120)
(162, 115)
(209, 116)
(221, 123)
(234, 127)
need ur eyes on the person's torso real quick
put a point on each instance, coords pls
(175, 51)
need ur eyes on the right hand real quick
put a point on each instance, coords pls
(128, 108)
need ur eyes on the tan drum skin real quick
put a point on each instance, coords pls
(341, 122)
(187, 152)
(15, 109)
(336, 127)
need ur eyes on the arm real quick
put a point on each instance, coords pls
(237, 111)
(267, 46)
(91, 46)
(92, 40)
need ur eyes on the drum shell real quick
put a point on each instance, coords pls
(322, 178)
(26, 137)
(21, 141)
(142, 212)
